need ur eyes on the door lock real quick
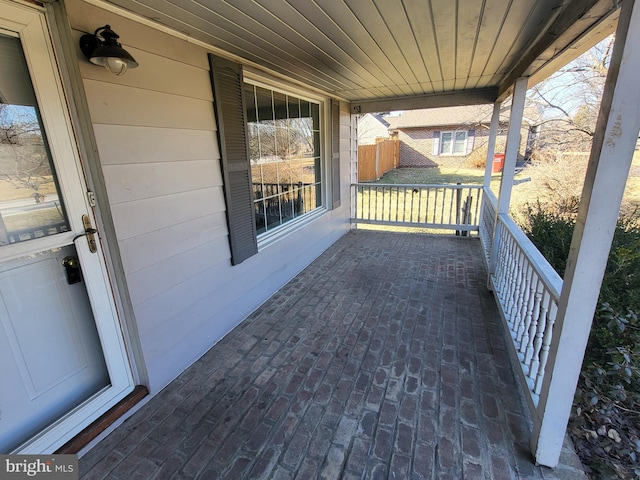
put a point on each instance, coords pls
(72, 267)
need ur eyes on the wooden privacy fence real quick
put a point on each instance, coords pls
(376, 160)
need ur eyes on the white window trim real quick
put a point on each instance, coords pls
(453, 136)
(252, 77)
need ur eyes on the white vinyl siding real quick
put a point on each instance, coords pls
(157, 141)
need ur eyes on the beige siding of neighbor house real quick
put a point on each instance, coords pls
(156, 135)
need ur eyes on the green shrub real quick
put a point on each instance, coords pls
(605, 422)
(550, 231)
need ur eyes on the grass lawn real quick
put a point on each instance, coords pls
(433, 175)
(525, 192)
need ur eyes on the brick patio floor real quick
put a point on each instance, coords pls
(384, 359)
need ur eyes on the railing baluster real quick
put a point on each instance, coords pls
(546, 342)
(508, 274)
(515, 286)
(500, 264)
(435, 203)
(525, 306)
(541, 327)
(527, 313)
(503, 264)
(455, 195)
(411, 214)
(534, 315)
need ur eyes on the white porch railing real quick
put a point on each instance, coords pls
(527, 290)
(487, 222)
(448, 207)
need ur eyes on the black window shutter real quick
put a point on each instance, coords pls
(335, 153)
(226, 77)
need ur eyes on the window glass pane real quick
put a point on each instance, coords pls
(250, 103)
(445, 142)
(294, 107)
(30, 204)
(253, 134)
(256, 180)
(273, 216)
(459, 144)
(264, 104)
(281, 140)
(284, 137)
(305, 109)
(261, 219)
(310, 197)
(297, 172)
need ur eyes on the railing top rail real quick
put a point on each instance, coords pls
(418, 185)
(543, 268)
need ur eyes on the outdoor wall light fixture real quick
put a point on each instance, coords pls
(106, 51)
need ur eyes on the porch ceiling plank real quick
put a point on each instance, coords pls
(537, 21)
(396, 18)
(421, 21)
(376, 51)
(489, 29)
(588, 30)
(522, 21)
(561, 27)
(265, 26)
(373, 22)
(470, 20)
(444, 14)
(363, 47)
(252, 40)
(331, 47)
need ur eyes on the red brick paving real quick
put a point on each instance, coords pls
(383, 359)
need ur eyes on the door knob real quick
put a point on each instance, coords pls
(72, 267)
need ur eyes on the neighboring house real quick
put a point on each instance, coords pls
(440, 136)
(371, 127)
(192, 188)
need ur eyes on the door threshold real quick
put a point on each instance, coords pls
(81, 440)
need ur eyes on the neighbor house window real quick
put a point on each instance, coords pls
(453, 143)
(284, 151)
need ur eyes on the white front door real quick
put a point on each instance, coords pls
(62, 355)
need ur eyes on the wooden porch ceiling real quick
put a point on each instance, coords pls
(395, 54)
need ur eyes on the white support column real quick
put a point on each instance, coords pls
(510, 157)
(491, 145)
(513, 143)
(609, 163)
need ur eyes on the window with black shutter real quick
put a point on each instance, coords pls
(270, 145)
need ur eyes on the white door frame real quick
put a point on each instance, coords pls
(29, 23)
